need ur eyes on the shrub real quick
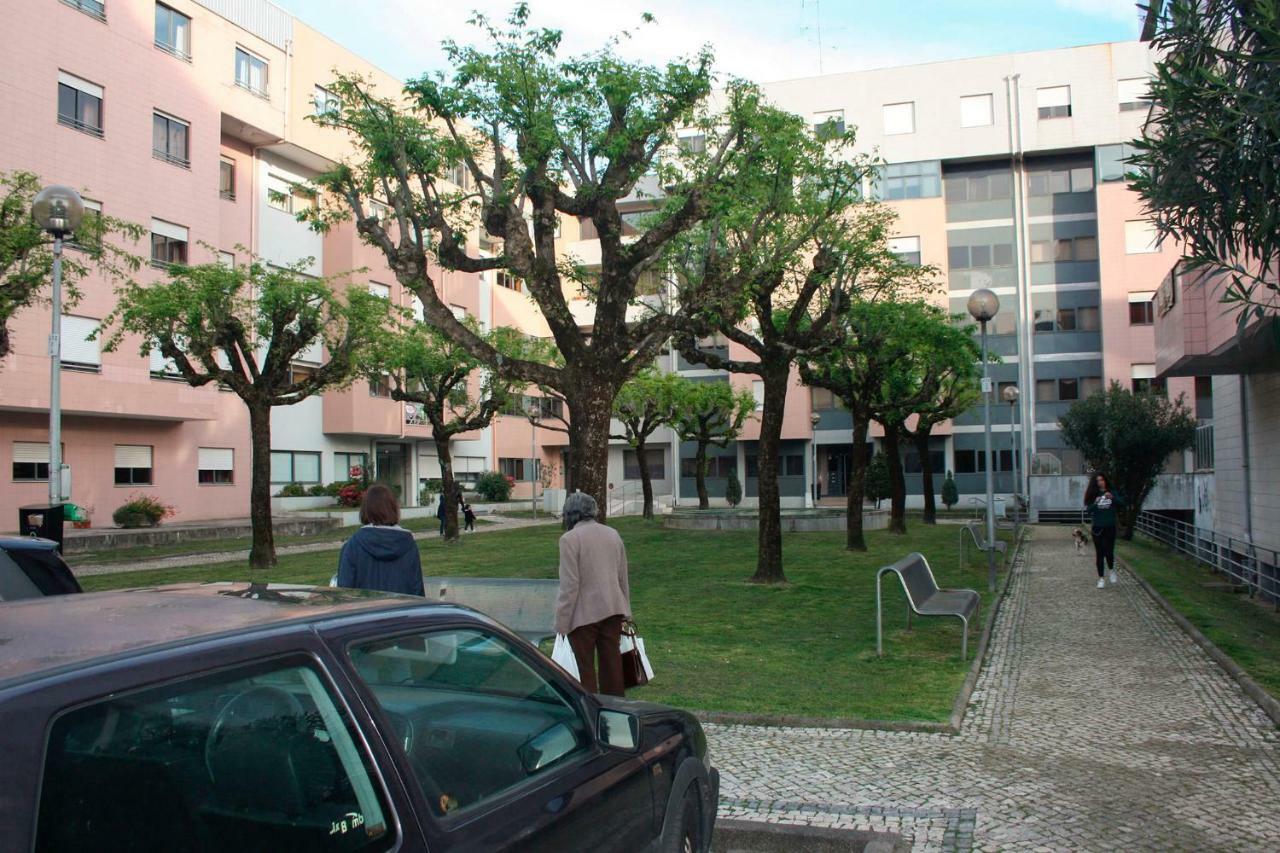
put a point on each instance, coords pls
(351, 494)
(292, 490)
(141, 511)
(319, 490)
(494, 486)
(733, 489)
(950, 494)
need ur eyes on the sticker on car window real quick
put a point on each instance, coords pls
(349, 821)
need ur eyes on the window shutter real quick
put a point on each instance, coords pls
(1054, 96)
(133, 456)
(904, 245)
(80, 85)
(900, 118)
(168, 229)
(76, 346)
(160, 364)
(1142, 295)
(1134, 90)
(216, 458)
(976, 111)
(1144, 371)
(382, 291)
(31, 451)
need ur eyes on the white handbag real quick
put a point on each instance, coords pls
(562, 653)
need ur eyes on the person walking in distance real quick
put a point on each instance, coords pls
(441, 513)
(381, 555)
(1101, 504)
(468, 514)
(595, 595)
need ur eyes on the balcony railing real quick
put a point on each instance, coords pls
(253, 90)
(92, 8)
(83, 127)
(1251, 566)
(1204, 447)
(173, 50)
(171, 158)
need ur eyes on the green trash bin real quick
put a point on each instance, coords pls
(72, 512)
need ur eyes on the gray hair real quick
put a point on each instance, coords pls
(579, 506)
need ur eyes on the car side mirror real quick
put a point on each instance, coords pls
(619, 730)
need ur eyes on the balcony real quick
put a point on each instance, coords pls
(1197, 335)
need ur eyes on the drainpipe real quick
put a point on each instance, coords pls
(1026, 376)
(1244, 457)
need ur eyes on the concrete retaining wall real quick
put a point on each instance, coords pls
(79, 542)
(805, 521)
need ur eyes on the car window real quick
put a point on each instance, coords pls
(474, 718)
(248, 760)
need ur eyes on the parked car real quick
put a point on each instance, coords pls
(32, 568)
(276, 718)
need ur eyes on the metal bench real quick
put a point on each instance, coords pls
(925, 599)
(526, 606)
(975, 534)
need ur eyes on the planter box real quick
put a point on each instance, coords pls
(296, 504)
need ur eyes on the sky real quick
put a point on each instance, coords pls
(761, 40)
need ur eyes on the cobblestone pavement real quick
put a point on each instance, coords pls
(178, 561)
(1096, 724)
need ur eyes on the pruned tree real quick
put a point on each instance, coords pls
(531, 139)
(1128, 437)
(26, 256)
(646, 403)
(447, 383)
(1206, 166)
(709, 413)
(245, 328)
(793, 239)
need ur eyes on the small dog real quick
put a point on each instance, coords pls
(1081, 539)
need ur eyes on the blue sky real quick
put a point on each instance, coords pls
(759, 39)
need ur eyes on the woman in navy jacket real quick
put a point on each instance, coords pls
(381, 555)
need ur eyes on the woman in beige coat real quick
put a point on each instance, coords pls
(595, 596)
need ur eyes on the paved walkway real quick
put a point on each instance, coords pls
(495, 522)
(1096, 725)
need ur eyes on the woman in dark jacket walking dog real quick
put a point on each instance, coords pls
(1101, 504)
(381, 555)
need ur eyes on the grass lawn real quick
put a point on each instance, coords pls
(1242, 628)
(718, 643)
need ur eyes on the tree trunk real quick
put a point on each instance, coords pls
(262, 554)
(897, 480)
(590, 412)
(646, 482)
(769, 556)
(700, 463)
(921, 437)
(450, 488)
(855, 540)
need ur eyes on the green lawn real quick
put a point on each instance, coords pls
(718, 643)
(1245, 630)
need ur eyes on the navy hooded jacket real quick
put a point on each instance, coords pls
(381, 558)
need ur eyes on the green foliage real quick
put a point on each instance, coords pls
(141, 511)
(1207, 165)
(26, 256)
(494, 486)
(292, 490)
(878, 486)
(733, 489)
(950, 494)
(646, 402)
(320, 490)
(1128, 437)
(709, 412)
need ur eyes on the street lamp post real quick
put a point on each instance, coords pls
(534, 414)
(58, 210)
(814, 417)
(1010, 394)
(983, 306)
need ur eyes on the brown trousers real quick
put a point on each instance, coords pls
(599, 638)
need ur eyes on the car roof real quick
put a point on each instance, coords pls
(39, 636)
(26, 543)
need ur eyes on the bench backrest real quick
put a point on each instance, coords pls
(526, 606)
(978, 532)
(917, 578)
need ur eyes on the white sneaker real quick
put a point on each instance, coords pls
(1115, 578)
(1102, 583)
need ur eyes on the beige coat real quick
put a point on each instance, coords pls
(593, 576)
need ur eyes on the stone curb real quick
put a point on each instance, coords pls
(951, 727)
(1269, 704)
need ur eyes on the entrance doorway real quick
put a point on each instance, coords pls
(391, 468)
(839, 458)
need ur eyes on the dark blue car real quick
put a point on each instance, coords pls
(278, 718)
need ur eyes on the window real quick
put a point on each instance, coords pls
(1111, 162)
(215, 466)
(1064, 249)
(227, 179)
(79, 104)
(173, 32)
(462, 680)
(251, 72)
(896, 181)
(1134, 93)
(88, 236)
(907, 249)
(458, 312)
(169, 138)
(133, 465)
(326, 103)
(980, 257)
(227, 259)
(1141, 308)
(519, 469)
(899, 118)
(78, 352)
(991, 187)
(1140, 237)
(757, 393)
(349, 466)
(382, 291)
(168, 243)
(30, 461)
(1068, 389)
(911, 461)
(828, 124)
(92, 8)
(509, 280)
(211, 759)
(1082, 319)
(976, 111)
(654, 459)
(1054, 102)
(789, 465)
(1056, 390)
(691, 142)
(1044, 182)
(380, 386)
(1150, 385)
(718, 467)
(822, 400)
(295, 466)
(971, 461)
(380, 211)
(1090, 385)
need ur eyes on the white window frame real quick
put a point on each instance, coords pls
(977, 110)
(247, 85)
(897, 116)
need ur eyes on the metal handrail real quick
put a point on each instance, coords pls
(1255, 567)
